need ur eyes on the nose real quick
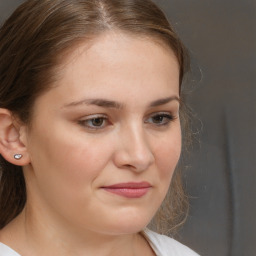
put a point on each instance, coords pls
(133, 150)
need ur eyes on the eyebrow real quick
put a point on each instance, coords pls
(164, 101)
(114, 104)
(98, 102)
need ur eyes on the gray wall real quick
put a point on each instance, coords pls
(221, 36)
(221, 179)
(7, 6)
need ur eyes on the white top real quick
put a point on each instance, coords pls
(161, 245)
(166, 246)
(7, 251)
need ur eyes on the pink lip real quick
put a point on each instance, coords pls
(129, 190)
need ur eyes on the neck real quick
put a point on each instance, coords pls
(29, 234)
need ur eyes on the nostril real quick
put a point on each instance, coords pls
(133, 160)
(129, 166)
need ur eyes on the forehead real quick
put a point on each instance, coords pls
(117, 65)
(117, 50)
(113, 40)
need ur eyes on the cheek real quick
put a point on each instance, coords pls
(80, 163)
(85, 162)
(65, 170)
(168, 154)
(66, 163)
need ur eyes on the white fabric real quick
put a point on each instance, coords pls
(7, 251)
(166, 246)
(161, 245)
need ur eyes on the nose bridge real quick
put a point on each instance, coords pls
(136, 147)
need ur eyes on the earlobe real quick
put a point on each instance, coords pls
(11, 146)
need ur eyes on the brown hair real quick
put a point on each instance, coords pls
(33, 42)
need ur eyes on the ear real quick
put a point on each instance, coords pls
(12, 139)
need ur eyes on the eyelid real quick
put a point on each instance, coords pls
(170, 116)
(164, 113)
(82, 121)
(93, 116)
(167, 118)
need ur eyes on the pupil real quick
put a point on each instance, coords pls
(158, 119)
(97, 121)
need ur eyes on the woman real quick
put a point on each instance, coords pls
(90, 129)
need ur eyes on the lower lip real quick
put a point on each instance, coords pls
(129, 192)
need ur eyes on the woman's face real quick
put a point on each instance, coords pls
(106, 138)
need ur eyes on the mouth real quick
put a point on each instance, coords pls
(129, 189)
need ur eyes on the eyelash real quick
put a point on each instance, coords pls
(85, 122)
(164, 116)
(167, 117)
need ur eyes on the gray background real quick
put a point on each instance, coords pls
(221, 36)
(221, 173)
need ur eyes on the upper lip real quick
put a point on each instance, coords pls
(132, 185)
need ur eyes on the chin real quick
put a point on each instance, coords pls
(128, 224)
(125, 230)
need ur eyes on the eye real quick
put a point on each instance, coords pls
(97, 122)
(160, 119)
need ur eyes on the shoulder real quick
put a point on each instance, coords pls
(166, 246)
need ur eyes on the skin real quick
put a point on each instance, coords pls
(71, 155)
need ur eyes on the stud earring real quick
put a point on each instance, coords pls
(18, 156)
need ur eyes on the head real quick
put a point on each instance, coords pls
(42, 45)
